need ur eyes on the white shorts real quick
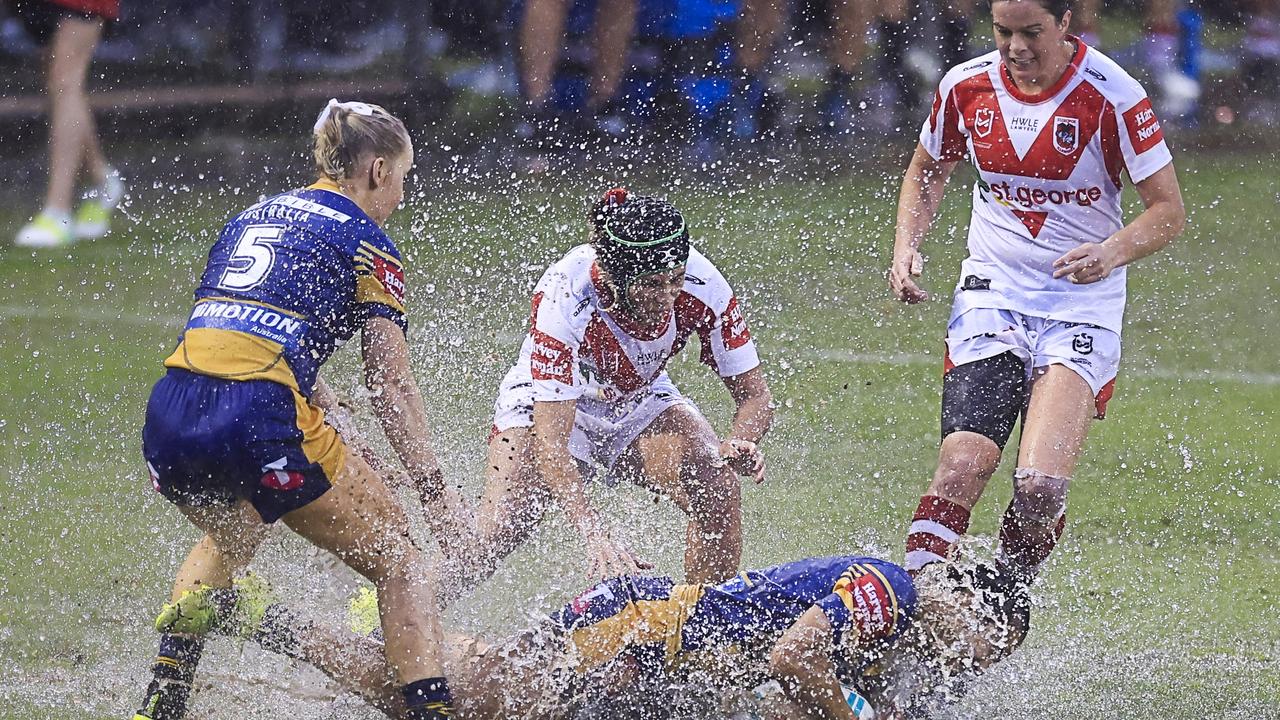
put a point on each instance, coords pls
(1090, 351)
(601, 430)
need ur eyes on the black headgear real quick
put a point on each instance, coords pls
(1006, 595)
(636, 235)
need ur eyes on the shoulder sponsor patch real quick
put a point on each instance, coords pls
(1143, 126)
(551, 359)
(872, 605)
(733, 326)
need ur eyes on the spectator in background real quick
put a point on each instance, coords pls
(542, 43)
(70, 30)
(1261, 63)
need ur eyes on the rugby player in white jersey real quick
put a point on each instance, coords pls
(1051, 126)
(590, 393)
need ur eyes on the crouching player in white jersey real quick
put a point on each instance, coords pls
(590, 390)
(1050, 125)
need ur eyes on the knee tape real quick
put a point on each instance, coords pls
(985, 396)
(1038, 497)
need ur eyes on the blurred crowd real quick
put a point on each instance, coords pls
(716, 71)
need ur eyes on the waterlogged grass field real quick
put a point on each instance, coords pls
(1160, 603)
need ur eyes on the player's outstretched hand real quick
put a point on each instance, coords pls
(907, 265)
(1087, 263)
(744, 457)
(611, 557)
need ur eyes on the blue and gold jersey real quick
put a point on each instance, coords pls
(865, 599)
(288, 281)
(869, 603)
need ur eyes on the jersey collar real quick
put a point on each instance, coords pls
(326, 184)
(1068, 73)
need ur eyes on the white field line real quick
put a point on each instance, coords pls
(820, 355)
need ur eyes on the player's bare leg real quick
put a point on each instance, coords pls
(514, 678)
(678, 456)
(231, 538)
(1053, 433)
(360, 521)
(966, 462)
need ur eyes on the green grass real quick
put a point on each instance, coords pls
(1161, 602)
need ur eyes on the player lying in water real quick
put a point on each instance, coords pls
(820, 627)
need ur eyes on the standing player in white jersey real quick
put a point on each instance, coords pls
(1050, 125)
(590, 390)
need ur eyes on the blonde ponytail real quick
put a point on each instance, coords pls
(347, 132)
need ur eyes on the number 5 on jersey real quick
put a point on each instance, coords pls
(252, 257)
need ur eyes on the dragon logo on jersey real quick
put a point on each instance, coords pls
(983, 120)
(1066, 135)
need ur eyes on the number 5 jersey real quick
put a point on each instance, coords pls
(288, 281)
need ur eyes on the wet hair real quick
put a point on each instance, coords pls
(1005, 595)
(346, 132)
(1057, 8)
(636, 235)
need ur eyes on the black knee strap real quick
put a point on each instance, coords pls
(985, 396)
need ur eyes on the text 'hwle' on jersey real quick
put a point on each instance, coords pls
(1050, 170)
(288, 281)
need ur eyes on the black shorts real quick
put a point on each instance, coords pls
(41, 18)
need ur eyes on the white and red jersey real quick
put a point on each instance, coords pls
(1049, 178)
(577, 350)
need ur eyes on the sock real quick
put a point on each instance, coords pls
(172, 673)
(428, 699)
(1025, 545)
(935, 527)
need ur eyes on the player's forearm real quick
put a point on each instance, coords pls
(812, 687)
(398, 405)
(1149, 233)
(557, 466)
(752, 419)
(918, 202)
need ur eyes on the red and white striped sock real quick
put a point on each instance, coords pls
(935, 527)
(1024, 545)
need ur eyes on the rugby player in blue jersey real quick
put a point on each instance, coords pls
(837, 635)
(236, 434)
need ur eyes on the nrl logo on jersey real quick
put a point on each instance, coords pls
(1066, 135)
(983, 118)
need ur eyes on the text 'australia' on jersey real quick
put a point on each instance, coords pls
(1049, 178)
(576, 350)
(289, 280)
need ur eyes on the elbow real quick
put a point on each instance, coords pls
(1177, 220)
(785, 664)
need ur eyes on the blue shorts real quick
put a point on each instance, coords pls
(209, 441)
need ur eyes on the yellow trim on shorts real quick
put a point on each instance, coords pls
(321, 444)
(644, 622)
